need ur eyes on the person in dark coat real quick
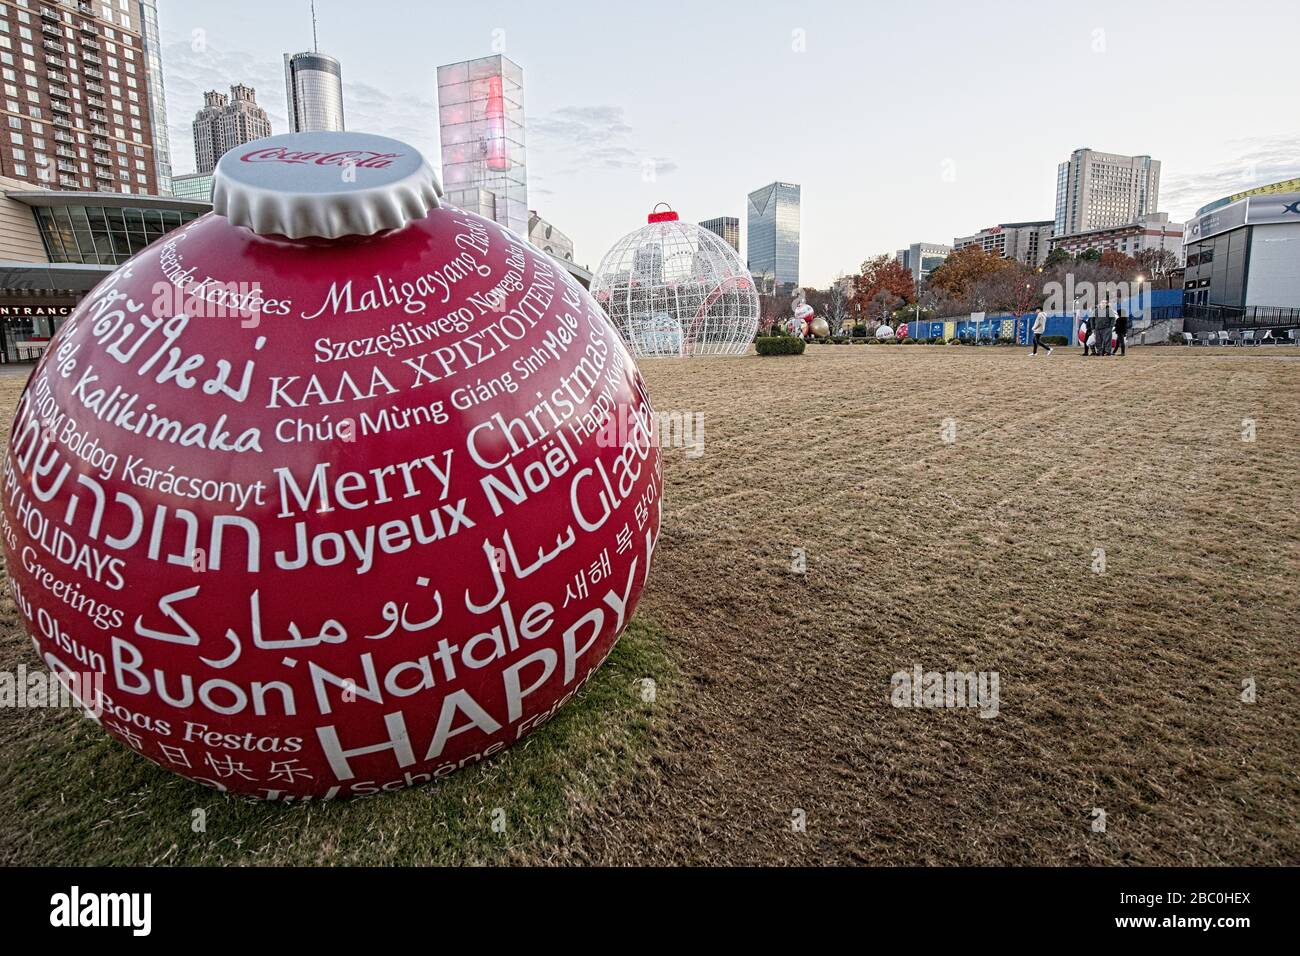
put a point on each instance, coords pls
(1102, 326)
(1121, 329)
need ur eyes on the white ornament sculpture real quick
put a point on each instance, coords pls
(674, 288)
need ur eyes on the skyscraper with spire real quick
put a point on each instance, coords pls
(313, 87)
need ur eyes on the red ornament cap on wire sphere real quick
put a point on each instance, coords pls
(657, 216)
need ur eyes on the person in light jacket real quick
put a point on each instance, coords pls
(1040, 326)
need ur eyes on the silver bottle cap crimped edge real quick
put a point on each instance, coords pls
(326, 184)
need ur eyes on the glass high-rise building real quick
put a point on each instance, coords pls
(726, 227)
(151, 47)
(773, 237)
(313, 88)
(481, 127)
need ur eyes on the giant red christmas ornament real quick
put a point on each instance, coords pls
(334, 490)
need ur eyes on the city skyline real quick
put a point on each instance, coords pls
(939, 161)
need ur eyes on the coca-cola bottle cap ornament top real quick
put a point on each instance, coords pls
(302, 184)
(335, 490)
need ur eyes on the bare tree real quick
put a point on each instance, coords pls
(882, 304)
(838, 305)
(1157, 263)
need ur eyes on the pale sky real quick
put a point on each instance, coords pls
(903, 122)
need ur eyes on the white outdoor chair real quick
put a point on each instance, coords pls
(1247, 338)
(1189, 339)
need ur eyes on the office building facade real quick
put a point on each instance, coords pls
(922, 258)
(1028, 242)
(196, 186)
(226, 122)
(772, 237)
(726, 227)
(481, 123)
(76, 98)
(1095, 190)
(313, 89)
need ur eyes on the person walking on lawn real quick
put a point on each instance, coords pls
(1040, 326)
(1121, 328)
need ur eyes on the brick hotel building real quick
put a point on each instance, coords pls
(85, 171)
(79, 84)
(1148, 232)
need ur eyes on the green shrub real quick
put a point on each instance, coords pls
(1056, 339)
(779, 345)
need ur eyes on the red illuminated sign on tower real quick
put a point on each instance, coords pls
(497, 155)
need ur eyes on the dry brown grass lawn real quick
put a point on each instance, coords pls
(1119, 691)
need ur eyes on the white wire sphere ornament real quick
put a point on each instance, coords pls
(674, 288)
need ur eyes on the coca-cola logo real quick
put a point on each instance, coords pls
(360, 158)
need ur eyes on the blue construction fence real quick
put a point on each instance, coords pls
(1154, 304)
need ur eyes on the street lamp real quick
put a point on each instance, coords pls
(918, 301)
(1028, 300)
